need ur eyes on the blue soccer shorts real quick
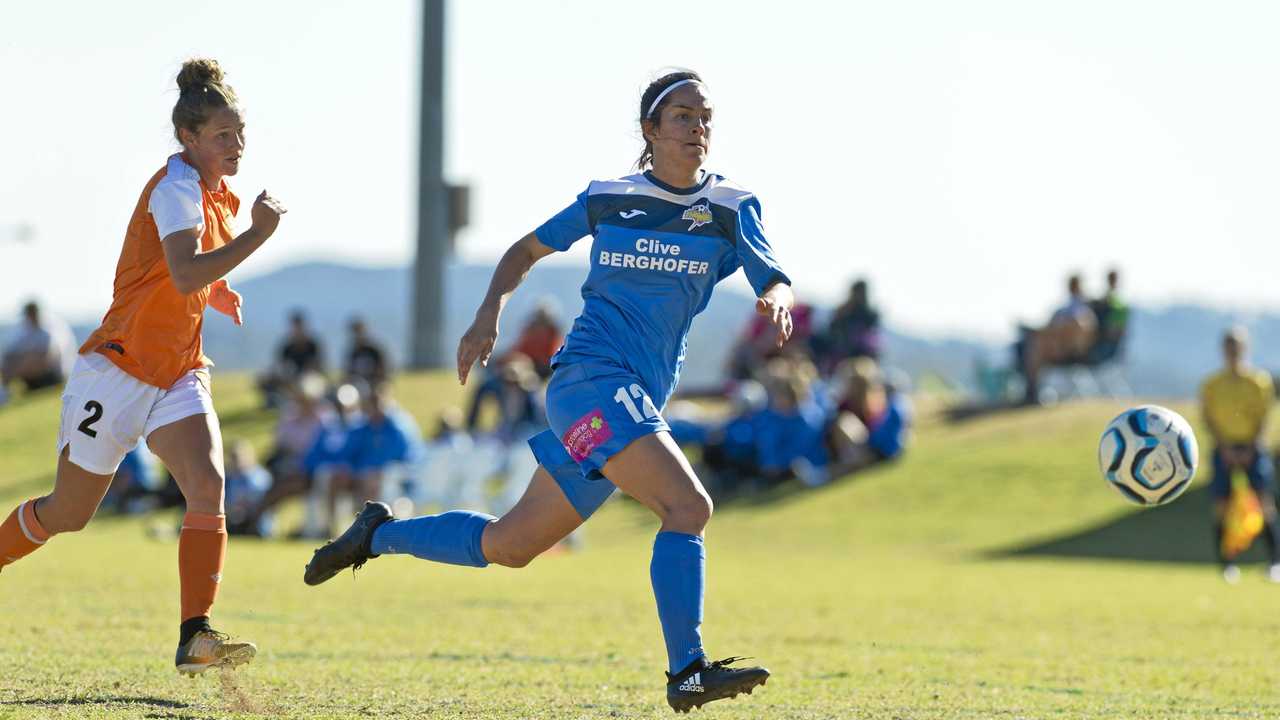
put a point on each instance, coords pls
(594, 410)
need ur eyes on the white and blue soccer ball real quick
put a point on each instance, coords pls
(1148, 454)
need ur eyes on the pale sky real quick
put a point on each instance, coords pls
(964, 156)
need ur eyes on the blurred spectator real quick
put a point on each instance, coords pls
(300, 354)
(300, 422)
(384, 442)
(134, 483)
(854, 330)
(1065, 340)
(319, 462)
(759, 342)
(40, 353)
(729, 450)
(1235, 402)
(366, 358)
(790, 431)
(522, 413)
(540, 338)
(873, 418)
(246, 486)
(513, 386)
(1112, 315)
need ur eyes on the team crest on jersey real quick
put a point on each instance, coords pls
(698, 215)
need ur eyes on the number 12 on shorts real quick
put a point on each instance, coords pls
(628, 401)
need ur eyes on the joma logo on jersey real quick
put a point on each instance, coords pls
(698, 215)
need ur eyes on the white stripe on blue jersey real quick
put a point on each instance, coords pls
(657, 252)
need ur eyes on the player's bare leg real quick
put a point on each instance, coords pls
(542, 518)
(76, 495)
(72, 504)
(654, 471)
(191, 449)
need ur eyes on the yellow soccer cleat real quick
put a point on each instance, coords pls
(210, 648)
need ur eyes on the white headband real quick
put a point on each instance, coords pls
(663, 94)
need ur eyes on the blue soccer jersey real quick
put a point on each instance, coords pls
(656, 255)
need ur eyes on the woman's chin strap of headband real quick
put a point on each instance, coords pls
(654, 105)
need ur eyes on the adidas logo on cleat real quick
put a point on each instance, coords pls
(693, 683)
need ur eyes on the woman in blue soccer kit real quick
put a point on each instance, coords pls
(662, 239)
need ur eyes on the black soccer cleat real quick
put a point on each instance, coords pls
(351, 549)
(702, 682)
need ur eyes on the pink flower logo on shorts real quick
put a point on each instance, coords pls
(585, 435)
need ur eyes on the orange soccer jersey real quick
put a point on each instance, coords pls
(152, 331)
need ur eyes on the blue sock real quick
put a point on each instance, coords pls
(678, 572)
(452, 537)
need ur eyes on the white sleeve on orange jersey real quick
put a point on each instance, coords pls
(176, 201)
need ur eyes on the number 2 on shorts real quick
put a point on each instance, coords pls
(95, 414)
(626, 399)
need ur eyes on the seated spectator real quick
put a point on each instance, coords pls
(1065, 340)
(134, 482)
(729, 450)
(322, 460)
(1235, 402)
(790, 431)
(873, 419)
(759, 342)
(40, 353)
(522, 412)
(366, 359)
(540, 338)
(1113, 322)
(300, 422)
(854, 330)
(300, 354)
(246, 485)
(513, 386)
(385, 441)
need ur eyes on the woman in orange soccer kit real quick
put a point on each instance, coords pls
(142, 373)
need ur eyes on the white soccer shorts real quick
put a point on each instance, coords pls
(105, 410)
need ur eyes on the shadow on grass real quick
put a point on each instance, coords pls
(977, 411)
(792, 490)
(1180, 532)
(100, 700)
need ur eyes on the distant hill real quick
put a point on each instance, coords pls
(1170, 349)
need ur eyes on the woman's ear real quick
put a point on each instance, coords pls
(649, 128)
(186, 137)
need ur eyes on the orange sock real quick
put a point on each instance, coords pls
(21, 533)
(202, 547)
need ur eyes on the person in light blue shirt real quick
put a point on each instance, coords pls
(661, 240)
(386, 438)
(247, 484)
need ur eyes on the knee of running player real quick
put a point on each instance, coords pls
(689, 512)
(203, 489)
(59, 515)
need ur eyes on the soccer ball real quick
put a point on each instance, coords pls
(1148, 454)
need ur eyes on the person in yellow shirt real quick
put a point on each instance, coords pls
(1235, 402)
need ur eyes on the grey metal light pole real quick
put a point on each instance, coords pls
(427, 349)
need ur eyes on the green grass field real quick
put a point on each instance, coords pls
(990, 574)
